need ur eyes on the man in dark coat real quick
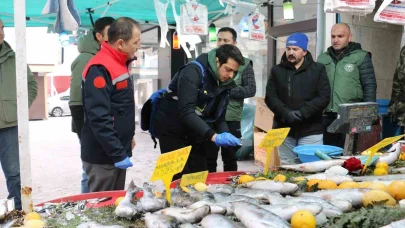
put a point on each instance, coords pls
(297, 92)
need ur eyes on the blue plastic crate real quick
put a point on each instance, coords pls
(306, 153)
(383, 106)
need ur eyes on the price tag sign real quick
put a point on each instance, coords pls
(169, 164)
(273, 139)
(385, 142)
(193, 178)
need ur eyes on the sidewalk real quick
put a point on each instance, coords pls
(56, 164)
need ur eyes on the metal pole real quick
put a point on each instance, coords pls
(320, 28)
(22, 105)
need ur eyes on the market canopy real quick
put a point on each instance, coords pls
(141, 10)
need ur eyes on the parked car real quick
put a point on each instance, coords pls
(59, 105)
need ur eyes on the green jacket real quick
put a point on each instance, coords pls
(351, 76)
(8, 87)
(88, 47)
(235, 107)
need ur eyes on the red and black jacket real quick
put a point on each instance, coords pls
(109, 108)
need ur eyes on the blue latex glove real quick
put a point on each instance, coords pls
(226, 139)
(124, 164)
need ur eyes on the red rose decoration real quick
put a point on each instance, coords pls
(352, 164)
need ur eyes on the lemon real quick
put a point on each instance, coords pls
(377, 196)
(312, 182)
(396, 189)
(118, 200)
(32, 216)
(383, 165)
(298, 179)
(364, 184)
(261, 178)
(327, 184)
(245, 178)
(303, 219)
(34, 224)
(349, 184)
(201, 187)
(377, 186)
(380, 172)
(280, 178)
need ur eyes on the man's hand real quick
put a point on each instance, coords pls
(124, 164)
(226, 139)
(294, 116)
(133, 144)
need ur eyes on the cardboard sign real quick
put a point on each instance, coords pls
(168, 165)
(385, 142)
(272, 139)
(193, 178)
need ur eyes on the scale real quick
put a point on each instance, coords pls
(353, 119)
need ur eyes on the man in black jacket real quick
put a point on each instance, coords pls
(351, 75)
(193, 108)
(109, 108)
(297, 92)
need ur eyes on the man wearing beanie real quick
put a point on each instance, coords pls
(297, 92)
(351, 75)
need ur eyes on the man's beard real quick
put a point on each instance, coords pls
(296, 61)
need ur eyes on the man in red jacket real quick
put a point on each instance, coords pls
(109, 108)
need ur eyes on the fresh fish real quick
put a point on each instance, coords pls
(397, 224)
(214, 220)
(160, 221)
(398, 170)
(253, 216)
(256, 193)
(353, 195)
(343, 205)
(126, 208)
(184, 215)
(226, 202)
(273, 186)
(220, 196)
(201, 196)
(286, 211)
(149, 202)
(328, 209)
(321, 219)
(188, 225)
(215, 209)
(223, 188)
(338, 179)
(389, 157)
(180, 198)
(380, 178)
(314, 167)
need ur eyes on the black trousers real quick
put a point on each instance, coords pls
(105, 177)
(332, 139)
(77, 119)
(228, 153)
(196, 161)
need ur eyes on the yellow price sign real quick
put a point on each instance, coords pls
(169, 164)
(193, 178)
(272, 139)
(385, 142)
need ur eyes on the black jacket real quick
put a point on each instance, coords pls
(195, 105)
(306, 89)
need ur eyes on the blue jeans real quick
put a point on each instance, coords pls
(10, 163)
(84, 184)
(286, 153)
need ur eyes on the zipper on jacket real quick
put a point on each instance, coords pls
(333, 88)
(289, 87)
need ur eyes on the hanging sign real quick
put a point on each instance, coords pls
(392, 12)
(194, 18)
(256, 26)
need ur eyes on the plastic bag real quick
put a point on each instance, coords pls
(256, 26)
(248, 119)
(392, 12)
(194, 18)
(354, 7)
(161, 9)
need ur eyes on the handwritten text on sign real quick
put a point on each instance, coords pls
(168, 165)
(193, 178)
(274, 138)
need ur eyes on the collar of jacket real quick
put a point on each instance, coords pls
(307, 61)
(352, 46)
(118, 56)
(5, 51)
